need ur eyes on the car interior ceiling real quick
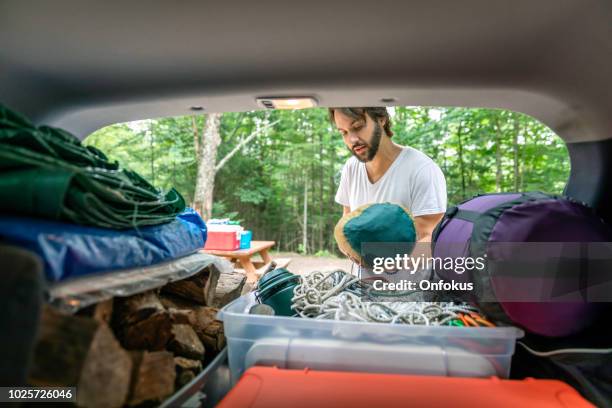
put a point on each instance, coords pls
(553, 63)
(130, 77)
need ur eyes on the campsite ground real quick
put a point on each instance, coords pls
(301, 264)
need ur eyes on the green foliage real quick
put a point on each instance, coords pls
(479, 151)
(220, 211)
(160, 150)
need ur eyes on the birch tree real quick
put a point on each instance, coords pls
(206, 144)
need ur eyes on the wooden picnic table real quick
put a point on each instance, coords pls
(243, 256)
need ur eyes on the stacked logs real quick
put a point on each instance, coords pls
(136, 350)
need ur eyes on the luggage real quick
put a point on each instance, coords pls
(502, 229)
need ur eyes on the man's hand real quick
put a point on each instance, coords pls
(425, 224)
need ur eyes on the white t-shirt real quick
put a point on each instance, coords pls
(413, 180)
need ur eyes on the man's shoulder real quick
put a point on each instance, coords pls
(351, 164)
(416, 159)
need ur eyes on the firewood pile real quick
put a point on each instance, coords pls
(136, 350)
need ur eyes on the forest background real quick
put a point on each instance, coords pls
(277, 172)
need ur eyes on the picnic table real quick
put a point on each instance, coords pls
(243, 257)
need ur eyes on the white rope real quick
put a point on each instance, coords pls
(335, 295)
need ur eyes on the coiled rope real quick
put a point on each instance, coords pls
(339, 296)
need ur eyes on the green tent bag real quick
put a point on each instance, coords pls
(47, 172)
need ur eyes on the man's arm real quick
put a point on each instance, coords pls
(428, 200)
(425, 224)
(346, 210)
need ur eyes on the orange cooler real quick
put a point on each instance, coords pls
(269, 387)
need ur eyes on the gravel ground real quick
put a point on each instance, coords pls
(301, 264)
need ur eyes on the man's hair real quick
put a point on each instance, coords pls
(359, 113)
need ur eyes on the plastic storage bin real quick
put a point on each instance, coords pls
(296, 343)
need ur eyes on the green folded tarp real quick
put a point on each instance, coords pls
(47, 172)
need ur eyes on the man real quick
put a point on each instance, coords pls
(383, 171)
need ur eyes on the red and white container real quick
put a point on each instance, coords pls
(223, 237)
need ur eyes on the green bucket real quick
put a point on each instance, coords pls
(275, 289)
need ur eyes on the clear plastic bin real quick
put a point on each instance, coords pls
(292, 342)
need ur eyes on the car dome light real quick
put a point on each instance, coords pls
(287, 102)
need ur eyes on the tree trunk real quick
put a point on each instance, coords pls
(206, 148)
(205, 182)
(498, 156)
(461, 163)
(197, 138)
(331, 244)
(522, 157)
(515, 147)
(152, 154)
(305, 220)
(321, 184)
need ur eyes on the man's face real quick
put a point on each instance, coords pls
(361, 136)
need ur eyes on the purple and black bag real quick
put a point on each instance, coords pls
(496, 228)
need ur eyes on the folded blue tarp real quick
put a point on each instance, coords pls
(70, 250)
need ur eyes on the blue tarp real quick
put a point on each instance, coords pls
(70, 250)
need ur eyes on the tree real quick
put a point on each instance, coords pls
(206, 144)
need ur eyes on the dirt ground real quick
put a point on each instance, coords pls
(301, 264)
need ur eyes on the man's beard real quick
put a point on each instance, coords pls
(372, 147)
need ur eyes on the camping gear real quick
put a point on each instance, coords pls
(375, 223)
(262, 387)
(323, 344)
(340, 296)
(275, 289)
(46, 172)
(70, 250)
(504, 230)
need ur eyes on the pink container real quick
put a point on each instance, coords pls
(223, 240)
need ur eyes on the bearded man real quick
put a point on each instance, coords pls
(383, 171)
